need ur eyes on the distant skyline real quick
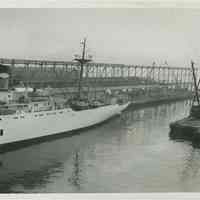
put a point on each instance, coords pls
(126, 36)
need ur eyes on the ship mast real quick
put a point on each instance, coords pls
(83, 60)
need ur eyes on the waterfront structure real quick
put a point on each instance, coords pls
(42, 73)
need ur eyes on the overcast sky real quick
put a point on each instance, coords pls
(128, 36)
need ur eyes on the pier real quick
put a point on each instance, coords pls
(42, 73)
(129, 82)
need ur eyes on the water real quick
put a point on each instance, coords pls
(131, 153)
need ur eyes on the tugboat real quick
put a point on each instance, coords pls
(189, 127)
(36, 120)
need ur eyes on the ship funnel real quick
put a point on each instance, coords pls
(4, 77)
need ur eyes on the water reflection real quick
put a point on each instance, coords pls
(192, 165)
(130, 153)
(28, 179)
(76, 173)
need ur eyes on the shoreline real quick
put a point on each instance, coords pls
(154, 100)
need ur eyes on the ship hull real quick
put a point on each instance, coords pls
(27, 128)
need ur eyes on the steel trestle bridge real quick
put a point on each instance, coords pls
(62, 73)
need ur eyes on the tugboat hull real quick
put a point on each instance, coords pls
(187, 129)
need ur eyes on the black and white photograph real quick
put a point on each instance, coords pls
(99, 100)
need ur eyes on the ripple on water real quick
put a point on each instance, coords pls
(130, 153)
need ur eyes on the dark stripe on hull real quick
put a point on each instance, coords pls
(29, 142)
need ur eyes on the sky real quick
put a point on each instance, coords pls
(135, 36)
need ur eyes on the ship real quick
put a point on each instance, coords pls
(40, 119)
(188, 128)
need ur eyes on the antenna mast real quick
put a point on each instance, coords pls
(82, 61)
